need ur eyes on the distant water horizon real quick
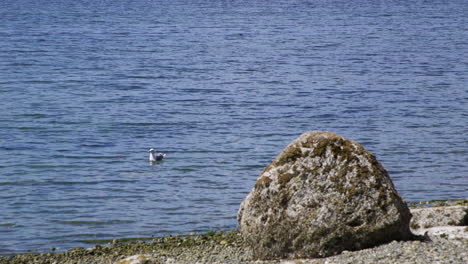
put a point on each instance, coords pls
(222, 87)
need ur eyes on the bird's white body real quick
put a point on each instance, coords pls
(153, 157)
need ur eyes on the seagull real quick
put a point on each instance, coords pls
(153, 157)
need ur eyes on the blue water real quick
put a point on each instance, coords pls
(87, 87)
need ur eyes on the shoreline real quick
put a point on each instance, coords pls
(228, 247)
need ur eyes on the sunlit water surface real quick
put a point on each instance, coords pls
(87, 87)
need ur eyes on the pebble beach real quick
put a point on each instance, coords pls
(228, 248)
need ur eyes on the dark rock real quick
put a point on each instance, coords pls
(322, 195)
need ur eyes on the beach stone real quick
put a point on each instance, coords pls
(137, 259)
(439, 216)
(449, 232)
(322, 195)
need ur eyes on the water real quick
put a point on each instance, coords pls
(87, 87)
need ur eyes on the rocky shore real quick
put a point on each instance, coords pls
(439, 220)
(323, 199)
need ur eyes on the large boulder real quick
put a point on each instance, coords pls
(323, 194)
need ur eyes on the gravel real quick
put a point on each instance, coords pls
(228, 248)
(439, 250)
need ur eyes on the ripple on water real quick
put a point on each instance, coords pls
(222, 89)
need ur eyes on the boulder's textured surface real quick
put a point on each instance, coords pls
(323, 194)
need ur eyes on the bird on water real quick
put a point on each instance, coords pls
(153, 157)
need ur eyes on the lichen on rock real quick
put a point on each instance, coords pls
(323, 194)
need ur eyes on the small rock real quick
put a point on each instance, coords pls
(136, 259)
(448, 232)
(439, 216)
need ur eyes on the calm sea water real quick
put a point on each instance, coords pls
(87, 87)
